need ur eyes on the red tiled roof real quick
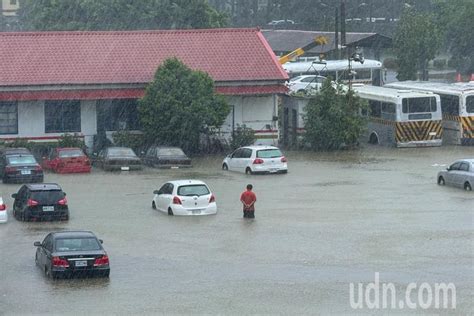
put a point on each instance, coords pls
(120, 57)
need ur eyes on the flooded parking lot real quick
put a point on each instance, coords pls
(335, 218)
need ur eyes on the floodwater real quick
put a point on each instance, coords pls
(333, 219)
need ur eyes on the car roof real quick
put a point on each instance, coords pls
(186, 182)
(18, 150)
(73, 234)
(259, 147)
(68, 148)
(470, 160)
(43, 187)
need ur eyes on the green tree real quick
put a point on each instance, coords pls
(455, 18)
(416, 42)
(332, 120)
(118, 14)
(179, 105)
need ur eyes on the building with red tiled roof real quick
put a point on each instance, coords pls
(63, 82)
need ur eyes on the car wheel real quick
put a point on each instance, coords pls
(441, 181)
(225, 167)
(248, 171)
(373, 139)
(65, 218)
(467, 186)
(170, 211)
(106, 274)
(153, 205)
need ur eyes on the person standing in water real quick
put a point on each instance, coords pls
(248, 199)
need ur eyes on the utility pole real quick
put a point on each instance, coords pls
(336, 35)
(343, 23)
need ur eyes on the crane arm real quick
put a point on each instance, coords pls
(318, 41)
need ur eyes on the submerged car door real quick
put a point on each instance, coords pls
(246, 159)
(451, 174)
(234, 159)
(165, 198)
(461, 175)
(45, 250)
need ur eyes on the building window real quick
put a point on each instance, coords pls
(8, 118)
(12, 2)
(62, 116)
(117, 114)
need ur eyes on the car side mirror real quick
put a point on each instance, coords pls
(37, 244)
(101, 241)
(14, 195)
(448, 169)
(64, 193)
(156, 192)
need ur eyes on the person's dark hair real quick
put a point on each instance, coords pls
(249, 187)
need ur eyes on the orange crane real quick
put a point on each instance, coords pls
(318, 41)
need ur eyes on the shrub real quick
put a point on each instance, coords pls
(439, 63)
(390, 63)
(134, 140)
(242, 136)
(71, 140)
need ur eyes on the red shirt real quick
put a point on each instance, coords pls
(248, 197)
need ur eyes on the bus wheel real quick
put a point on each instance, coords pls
(441, 181)
(373, 139)
(467, 186)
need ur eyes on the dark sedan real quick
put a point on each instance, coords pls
(166, 157)
(20, 167)
(72, 253)
(118, 158)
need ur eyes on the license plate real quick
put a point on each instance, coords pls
(273, 170)
(48, 208)
(125, 168)
(195, 212)
(174, 167)
(24, 172)
(81, 263)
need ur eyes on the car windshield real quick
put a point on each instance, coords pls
(192, 190)
(47, 197)
(71, 153)
(121, 152)
(170, 152)
(269, 153)
(77, 244)
(21, 160)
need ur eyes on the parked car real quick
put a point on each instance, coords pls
(70, 253)
(166, 157)
(38, 201)
(19, 165)
(184, 197)
(3, 211)
(118, 158)
(305, 83)
(459, 174)
(67, 160)
(281, 22)
(256, 159)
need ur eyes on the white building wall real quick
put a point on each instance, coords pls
(88, 121)
(255, 112)
(30, 119)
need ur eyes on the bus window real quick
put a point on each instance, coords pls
(363, 74)
(470, 104)
(419, 105)
(388, 111)
(449, 104)
(375, 108)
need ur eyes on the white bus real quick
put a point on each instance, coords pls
(370, 72)
(403, 118)
(457, 106)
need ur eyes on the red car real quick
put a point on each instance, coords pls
(67, 160)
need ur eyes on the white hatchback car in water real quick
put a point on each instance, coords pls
(256, 159)
(3, 212)
(185, 197)
(459, 174)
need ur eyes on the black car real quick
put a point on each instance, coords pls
(40, 201)
(166, 157)
(71, 253)
(19, 165)
(118, 158)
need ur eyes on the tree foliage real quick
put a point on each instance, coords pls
(416, 42)
(242, 136)
(332, 120)
(455, 18)
(118, 14)
(179, 105)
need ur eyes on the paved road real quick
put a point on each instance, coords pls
(332, 220)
